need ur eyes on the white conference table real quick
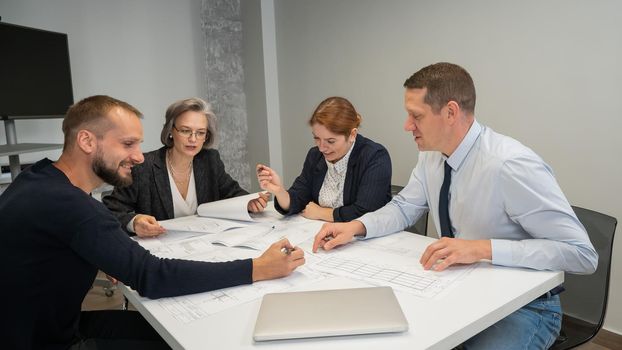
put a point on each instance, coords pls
(483, 297)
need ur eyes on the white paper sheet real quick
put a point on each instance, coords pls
(189, 308)
(235, 208)
(194, 307)
(391, 260)
(261, 236)
(195, 223)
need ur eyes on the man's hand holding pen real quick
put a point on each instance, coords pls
(279, 260)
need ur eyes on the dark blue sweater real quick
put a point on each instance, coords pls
(54, 238)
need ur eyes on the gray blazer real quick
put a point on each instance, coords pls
(150, 192)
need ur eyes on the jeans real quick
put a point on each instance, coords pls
(534, 326)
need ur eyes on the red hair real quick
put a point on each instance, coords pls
(336, 114)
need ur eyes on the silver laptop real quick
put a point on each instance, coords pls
(326, 313)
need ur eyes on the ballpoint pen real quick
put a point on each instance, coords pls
(287, 251)
(284, 250)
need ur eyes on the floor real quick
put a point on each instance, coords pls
(96, 299)
(604, 340)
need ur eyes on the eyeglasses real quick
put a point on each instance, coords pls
(199, 134)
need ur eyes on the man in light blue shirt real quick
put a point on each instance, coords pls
(503, 204)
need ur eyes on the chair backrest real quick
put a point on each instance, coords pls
(421, 226)
(585, 298)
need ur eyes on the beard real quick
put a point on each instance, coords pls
(108, 174)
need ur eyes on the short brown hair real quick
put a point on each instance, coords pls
(180, 107)
(337, 114)
(91, 114)
(444, 82)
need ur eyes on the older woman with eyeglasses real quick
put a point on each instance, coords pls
(178, 177)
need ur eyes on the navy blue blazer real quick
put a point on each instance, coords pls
(150, 192)
(367, 186)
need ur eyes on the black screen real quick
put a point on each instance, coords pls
(35, 77)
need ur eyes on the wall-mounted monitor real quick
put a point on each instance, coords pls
(35, 76)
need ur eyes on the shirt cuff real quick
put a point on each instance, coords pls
(501, 252)
(130, 225)
(370, 228)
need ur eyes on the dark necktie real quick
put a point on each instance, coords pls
(443, 204)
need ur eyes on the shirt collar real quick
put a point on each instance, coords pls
(342, 164)
(456, 158)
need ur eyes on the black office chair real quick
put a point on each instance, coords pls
(421, 226)
(585, 300)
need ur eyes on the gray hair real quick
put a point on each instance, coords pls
(182, 106)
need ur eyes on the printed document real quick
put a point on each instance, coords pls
(261, 236)
(391, 260)
(190, 308)
(195, 223)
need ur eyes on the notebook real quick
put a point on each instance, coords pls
(326, 313)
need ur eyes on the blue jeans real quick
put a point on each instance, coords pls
(534, 326)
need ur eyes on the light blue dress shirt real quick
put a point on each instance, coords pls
(502, 191)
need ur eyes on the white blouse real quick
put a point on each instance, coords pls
(331, 193)
(181, 206)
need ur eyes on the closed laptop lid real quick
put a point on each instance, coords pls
(326, 313)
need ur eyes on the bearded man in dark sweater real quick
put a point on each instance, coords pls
(54, 237)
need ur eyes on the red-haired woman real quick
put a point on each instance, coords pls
(344, 176)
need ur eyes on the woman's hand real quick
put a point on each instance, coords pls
(315, 212)
(147, 226)
(257, 205)
(270, 181)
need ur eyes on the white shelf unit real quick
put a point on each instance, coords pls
(13, 149)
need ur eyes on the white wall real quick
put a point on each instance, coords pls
(546, 73)
(254, 87)
(146, 52)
